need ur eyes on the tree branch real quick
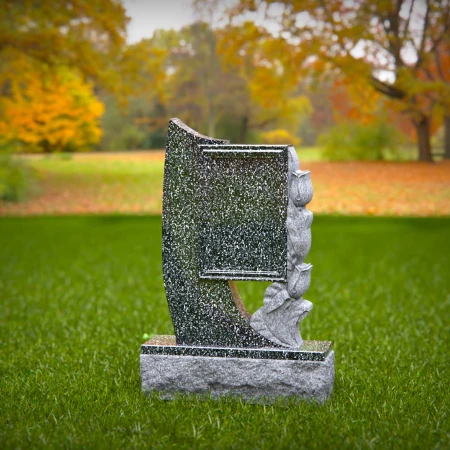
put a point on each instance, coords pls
(437, 41)
(424, 32)
(387, 89)
(262, 124)
(408, 20)
(439, 67)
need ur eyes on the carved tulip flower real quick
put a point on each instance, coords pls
(299, 280)
(301, 187)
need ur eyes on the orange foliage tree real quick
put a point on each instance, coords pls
(85, 35)
(50, 54)
(49, 111)
(351, 101)
(385, 44)
(435, 72)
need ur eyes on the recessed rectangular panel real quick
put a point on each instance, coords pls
(242, 212)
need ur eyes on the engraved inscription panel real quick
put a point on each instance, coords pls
(242, 202)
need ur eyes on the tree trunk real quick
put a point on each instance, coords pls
(447, 137)
(244, 130)
(45, 145)
(423, 138)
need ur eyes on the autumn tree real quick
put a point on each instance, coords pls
(49, 111)
(51, 53)
(268, 82)
(386, 44)
(322, 117)
(195, 81)
(435, 72)
(84, 35)
(208, 89)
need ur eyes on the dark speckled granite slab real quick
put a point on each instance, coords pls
(203, 310)
(165, 345)
(242, 212)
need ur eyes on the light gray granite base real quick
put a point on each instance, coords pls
(252, 379)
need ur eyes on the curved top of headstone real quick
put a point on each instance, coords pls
(181, 125)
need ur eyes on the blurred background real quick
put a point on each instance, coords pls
(95, 83)
(87, 88)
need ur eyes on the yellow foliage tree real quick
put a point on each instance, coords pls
(368, 40)
(264, 63)
(280, 136)
(50, 111)
(85, 35)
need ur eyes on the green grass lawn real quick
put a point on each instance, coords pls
(77, 295)
(105, 180)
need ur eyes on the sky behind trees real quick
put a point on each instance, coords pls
(150, 15)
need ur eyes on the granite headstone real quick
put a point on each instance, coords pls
(235, 212)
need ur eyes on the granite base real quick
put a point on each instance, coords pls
(259, 375)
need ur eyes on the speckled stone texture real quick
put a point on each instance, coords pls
(203, 311)
(243, 212)
(257, 380)
(166, 345)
